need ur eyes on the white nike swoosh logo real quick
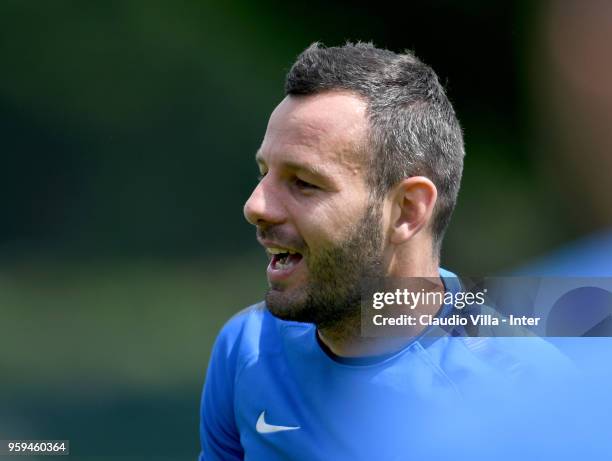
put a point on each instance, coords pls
(264, 428)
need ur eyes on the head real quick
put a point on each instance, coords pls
(360, 168)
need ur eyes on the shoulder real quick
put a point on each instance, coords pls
(246, 322)
(489, 368)
(510, 355)
(241, 330)
(528, 355)
(519, 350)
(250, 333)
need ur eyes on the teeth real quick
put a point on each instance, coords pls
(281, 264)
(276, 251)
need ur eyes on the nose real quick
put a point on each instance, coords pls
(263, 206)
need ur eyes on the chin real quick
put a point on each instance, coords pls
(287, 305)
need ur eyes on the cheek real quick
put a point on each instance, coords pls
(330, 222)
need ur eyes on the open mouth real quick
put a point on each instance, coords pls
(283, 262)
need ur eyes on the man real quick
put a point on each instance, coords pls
(360, 169)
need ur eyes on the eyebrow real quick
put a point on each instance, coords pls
(314, 170)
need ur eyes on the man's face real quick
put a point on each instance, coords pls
(313, 210)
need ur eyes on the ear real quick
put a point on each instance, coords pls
(413, 204)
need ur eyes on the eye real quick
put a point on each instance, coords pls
(301, 184)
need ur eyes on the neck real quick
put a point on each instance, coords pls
(350, 343)
(344, 338)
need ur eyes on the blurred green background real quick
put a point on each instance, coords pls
(128, 131)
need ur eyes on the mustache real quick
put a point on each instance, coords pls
(282, 237)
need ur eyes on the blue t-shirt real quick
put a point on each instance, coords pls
(274, 392)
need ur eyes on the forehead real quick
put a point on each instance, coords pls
(326, 129)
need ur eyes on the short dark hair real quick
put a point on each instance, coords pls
(413, 127)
